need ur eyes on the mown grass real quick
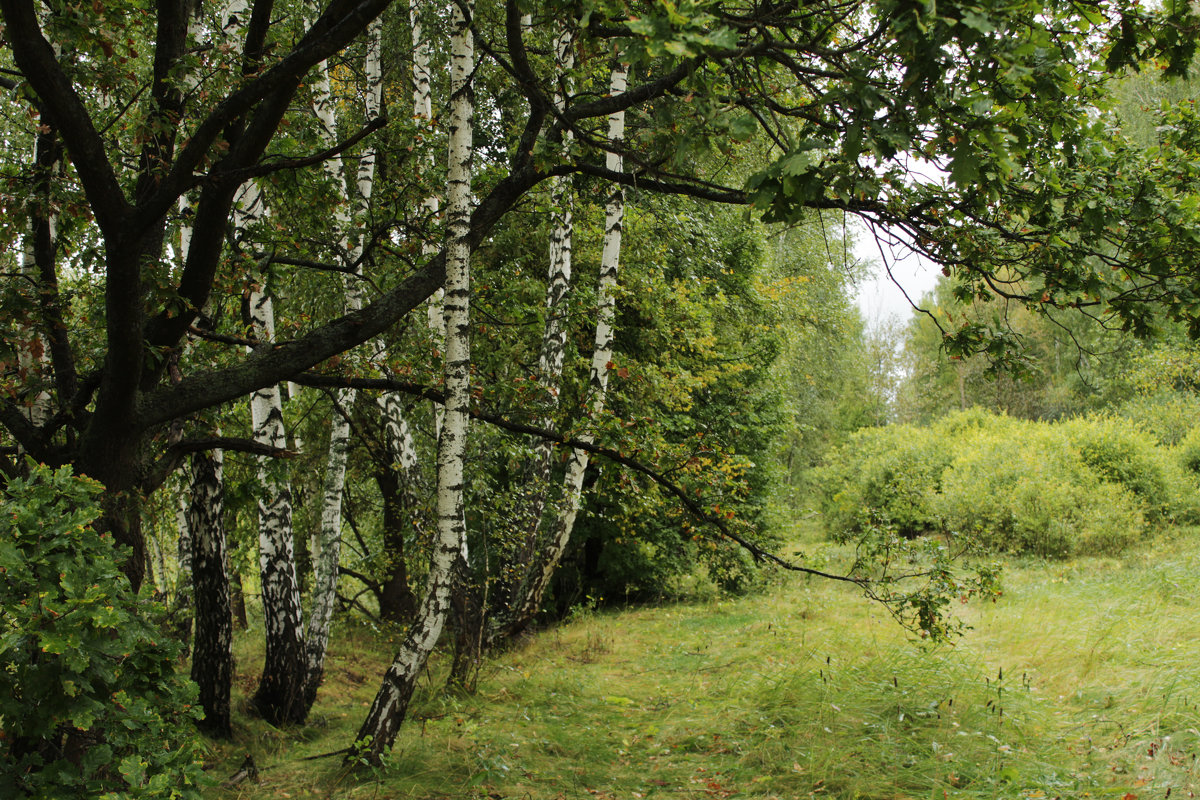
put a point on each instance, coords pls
(1082, 681)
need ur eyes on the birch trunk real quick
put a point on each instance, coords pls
(326, 550)
(378, 731)
(280, 695)
(397, 602)
(519, 555)
(547, 558)
(212, 653)
(536, 482)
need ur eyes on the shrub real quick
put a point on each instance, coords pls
(90, 704)
(891, 473)
(1052, 490)
(1187, 454)
(1122, 453)
(1034, 494)
(1167, 415)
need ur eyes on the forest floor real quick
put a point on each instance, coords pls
(1082, 680)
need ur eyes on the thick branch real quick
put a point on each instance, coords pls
(274, 363)
(636, 96)
(66, 113)
(170, 460)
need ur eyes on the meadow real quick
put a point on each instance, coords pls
(1081, 680)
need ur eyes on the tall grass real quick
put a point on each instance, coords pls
(1082, 681)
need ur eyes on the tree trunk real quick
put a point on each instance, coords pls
(478, 611)
(396, 600)
(546, 559)
(378, 731)
(112, 456)
(238, 598)
(328, 544)
(212, 654)
(423, 114)
(536, 483)
(280, 695)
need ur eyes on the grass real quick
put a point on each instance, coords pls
(1082, 681)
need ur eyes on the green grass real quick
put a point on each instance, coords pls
(1083, 680)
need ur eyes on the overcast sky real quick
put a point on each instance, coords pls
(879, 298)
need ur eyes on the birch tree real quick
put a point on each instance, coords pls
(532, 501)
(212, 649)
(327, 545)
(280, 697)
(388, 710)
(545, 558)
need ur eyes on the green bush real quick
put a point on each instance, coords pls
(1167, 415)
(1087, 486)
(90, 704)
(1034, 494)
(1122, 453)
(1187, 454)
(891, 474)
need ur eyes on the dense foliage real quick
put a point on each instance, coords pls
(90, 703)
(1090, 485)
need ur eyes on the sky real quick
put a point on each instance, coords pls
(878, 298)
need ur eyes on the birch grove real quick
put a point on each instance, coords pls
(131, 126)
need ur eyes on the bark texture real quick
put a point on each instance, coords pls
(212, 653)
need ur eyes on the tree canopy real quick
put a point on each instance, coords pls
(116, 113)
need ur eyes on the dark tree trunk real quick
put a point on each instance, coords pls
(468, 606)
(212, 656)
(396, 600)
(112, 456)
(238, 598)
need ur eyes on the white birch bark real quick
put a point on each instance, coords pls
(535, 486)
(430, 206)
(547, 559)
(378, 731)
(326, 549)
(558, 284)
(279, 697)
